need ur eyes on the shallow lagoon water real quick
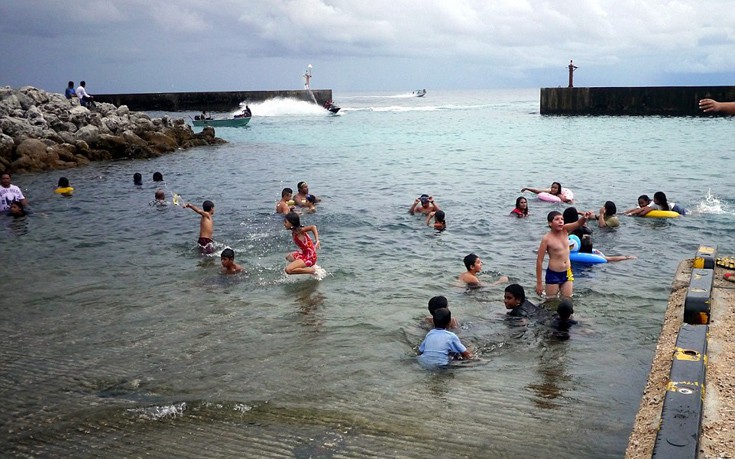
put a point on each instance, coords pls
(119, 339)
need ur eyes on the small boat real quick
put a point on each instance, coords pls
(331, 106)
(226, 122)
(419, 92)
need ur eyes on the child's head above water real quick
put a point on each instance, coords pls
(610, 208)
(556, 188)
(228, 254)
(293, 219)
(63, 182)
(553, 214)
(442, 318)
(514, 296)
(286, 193)
(660, 198)
(565, 309)
(137, 179)
(643, 200)
(438, 302)
(439, 216)
(469, 261)
(16, 209)
(160, 195)
(570, 215)
(157, 177)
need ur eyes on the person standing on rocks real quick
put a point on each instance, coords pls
(84, 99)
(9, 193)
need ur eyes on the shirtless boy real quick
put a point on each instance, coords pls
(286, 203)
(474, 265)
(228, 262)
(427, 205)
(206, 225)
(556, 244)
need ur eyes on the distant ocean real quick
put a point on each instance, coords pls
(119, 340)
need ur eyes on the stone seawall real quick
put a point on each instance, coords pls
(638, 101)
(209, 101)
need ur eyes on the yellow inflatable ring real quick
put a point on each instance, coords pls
(66, 190)
(662, 214)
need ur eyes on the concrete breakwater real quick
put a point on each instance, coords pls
(209, 101)
(45, 131)
(638, 101)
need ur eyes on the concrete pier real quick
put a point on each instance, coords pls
(209, 101)
(637, 101)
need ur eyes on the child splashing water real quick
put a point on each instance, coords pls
(303, 261)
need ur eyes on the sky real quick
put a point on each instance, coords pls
(142, 46)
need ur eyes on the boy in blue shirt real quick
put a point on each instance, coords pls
(440, 344)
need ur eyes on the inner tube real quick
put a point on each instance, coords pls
(65, 190)
(575, 256)
(548, 197)
(662, 214)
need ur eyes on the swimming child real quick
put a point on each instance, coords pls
(438, 302)
(228, 262)
(659, 203)
(521, 209)
(206, 225)
(440, 345)
(159, 199)
(157, 177)
(561, 322)
(286, 204)
(474, 265)
(516, 302)
(440, 223)
(63, 187)
(137, 179)
(427, 205)
(554, 189)
(607, 218)
(559, 277)
(16, 209)
(643, 201)
(304, 261)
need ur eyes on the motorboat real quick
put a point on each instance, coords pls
(222, 122)
(419, 92)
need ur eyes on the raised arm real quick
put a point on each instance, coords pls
(711, 105)
(535, 190)
(601, 218)
(580, 222)
(412, 210)
(195, 209)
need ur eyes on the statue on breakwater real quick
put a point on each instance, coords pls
(41, 131)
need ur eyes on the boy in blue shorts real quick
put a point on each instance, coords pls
(440, 345)
(556, 243)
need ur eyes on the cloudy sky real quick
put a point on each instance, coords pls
(364, 45)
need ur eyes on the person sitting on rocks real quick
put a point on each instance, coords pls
(84, 99)
(69, 93)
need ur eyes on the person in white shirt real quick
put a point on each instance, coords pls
(9, 193)
(84, 99)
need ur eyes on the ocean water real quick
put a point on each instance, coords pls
(118, 339)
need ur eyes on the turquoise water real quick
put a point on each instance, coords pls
(119, 339)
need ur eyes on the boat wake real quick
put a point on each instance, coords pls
(713, 205)
(286, 107)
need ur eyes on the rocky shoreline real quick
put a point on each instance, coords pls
(44, 131)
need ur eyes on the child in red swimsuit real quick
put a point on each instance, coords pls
(303, 261)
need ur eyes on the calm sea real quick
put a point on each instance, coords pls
(118, 339)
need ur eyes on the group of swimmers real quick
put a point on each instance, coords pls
(441, 345)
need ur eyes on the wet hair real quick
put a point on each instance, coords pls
(286, 191)
(610, 208)
(63, 182)
(294, 219)
(160, 195)
(517, 292)
(570, 215)
(228, 253)
(659, 198)
(552, 214)
(300, 184)
(439, 216)
(558, 185)
(311, 198)
(470, 260)
(207, 206)
(645, 198)
(442, 317)
(137, 179)
(518, 204)
(20, 206)
(157, 177)
(438, 302)
(565, 309)
(424, 198)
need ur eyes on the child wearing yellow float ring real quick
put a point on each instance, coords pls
(63, 187)
(286, 204)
